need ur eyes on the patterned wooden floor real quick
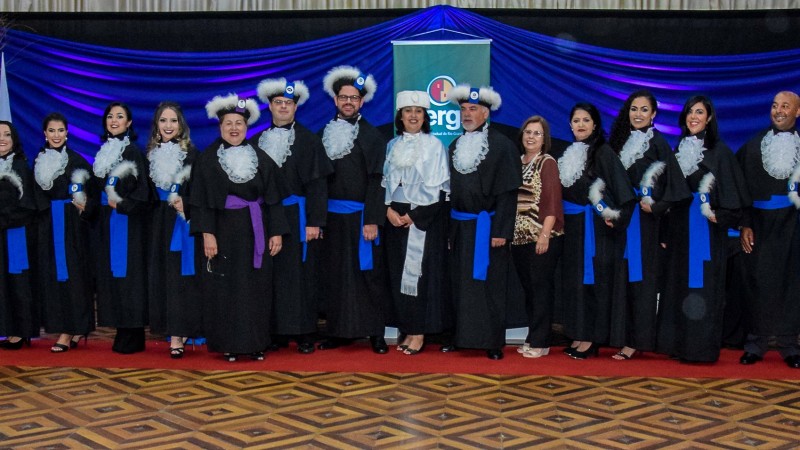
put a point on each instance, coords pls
(63, 408)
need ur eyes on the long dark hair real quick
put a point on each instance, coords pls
(712, 131)
(546, 141)
(398, 121)
(598, 136)
(16, 149)
(155, 137)
(131, 133)
(621, 128)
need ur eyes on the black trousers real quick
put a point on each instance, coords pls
(537, 275)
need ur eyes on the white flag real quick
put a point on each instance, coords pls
(5, 103)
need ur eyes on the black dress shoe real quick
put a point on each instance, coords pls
(378, 344)
(495, 354)
(447, 348)
(329, 344)
(793, 361)
(749, 358)
(305, 347)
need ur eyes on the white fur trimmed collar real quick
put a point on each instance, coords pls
(49, 165)
(637, 144)
(277, 142)
(109, 155)
(339, 137)
(780, 153)
(572, 163)
(7, 173)
(471, 149)
(690, 154)
(165, 161)
(240, 162)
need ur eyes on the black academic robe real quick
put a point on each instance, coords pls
(481, 305)
(175, 305)
(587, 307)
(122, 301)
(19, 312)
(237, 296)
(295, 284)
(633, 311)
(355, 302)
(690, 319)
(773, 267)
(67, 306)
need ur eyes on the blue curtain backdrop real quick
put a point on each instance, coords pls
(535, 74)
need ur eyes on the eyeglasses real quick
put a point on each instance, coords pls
(279, 102)
(352, 98)
(536, 133)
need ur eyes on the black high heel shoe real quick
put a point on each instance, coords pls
(8, 344)
(73, 343)
(593, 350)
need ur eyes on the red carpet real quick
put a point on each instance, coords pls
(359, 358)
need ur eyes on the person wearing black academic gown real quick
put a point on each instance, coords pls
(658, 181)
(352, 270)
(416, 177)
(19, 318)
(66, 285)
(120, 172)
(174, 256)
(235, 205)
(593, 179)
(304, 166)
(691, 309)
(484, 177)
(770, 234)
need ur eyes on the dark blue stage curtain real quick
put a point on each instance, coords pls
(535, 75)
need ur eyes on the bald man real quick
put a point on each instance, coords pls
(770, 234)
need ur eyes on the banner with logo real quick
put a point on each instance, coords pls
(435, 67)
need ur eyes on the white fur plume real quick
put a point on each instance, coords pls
(277, 86)
(349, 72)
(795, 178)
(704, 188)
(79, 176)
(596, 196)
(123, 169)
(180, 178)
(12, 178)
(486, 95)
(229, 102)
(649, 180)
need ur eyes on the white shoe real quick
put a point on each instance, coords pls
(536, 352)
(525, 348)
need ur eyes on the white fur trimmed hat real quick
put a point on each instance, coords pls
(279, 87)
(413, 98)
(485, 96)
(349, 75)
(232, 103)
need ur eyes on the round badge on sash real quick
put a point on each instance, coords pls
(645, 191)
(75, 187)
(704, 198)
(174, 188)
(112, 181)
(792, 186)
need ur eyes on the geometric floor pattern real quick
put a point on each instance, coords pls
(64, 408)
